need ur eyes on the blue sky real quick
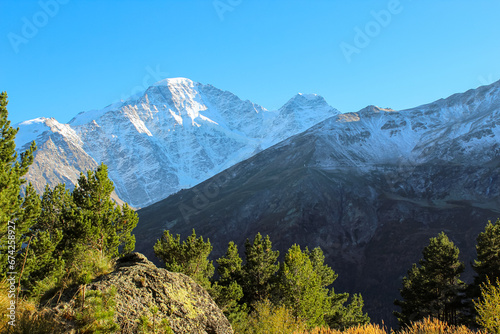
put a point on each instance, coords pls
(60, 57)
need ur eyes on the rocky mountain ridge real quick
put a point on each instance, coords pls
(172, 136)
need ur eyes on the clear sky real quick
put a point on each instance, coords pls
(60, 57)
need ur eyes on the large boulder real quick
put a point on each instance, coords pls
(140, 285)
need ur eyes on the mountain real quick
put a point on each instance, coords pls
(369, 187)
(174, 135)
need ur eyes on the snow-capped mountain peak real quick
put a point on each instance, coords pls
(306, 101)
(175, 82)
(35, 129)
(173, 135)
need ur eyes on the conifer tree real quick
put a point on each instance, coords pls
(230, 265)
(76, 234)
(259, 269)
(227, 291)
(434, 288)
(59, 213)
(52, 241)
(302, 286)
(487, 264)
(17, 213)
(190, 257)
(101, 224)
(343, 315)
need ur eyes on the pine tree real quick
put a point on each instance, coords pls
(45, 265)
(17, 213)
(230, 265)
(190, 257)
(434, 289)
(59, 213)
(52, 241)
(227, 291)
(487, 264)
(76, 235)
(101, 224)
(327, 275)
(96, 315)
(348, 315)
(302, 287)
(259, 269)
(343, 312)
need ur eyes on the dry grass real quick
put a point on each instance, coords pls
(426, 326)
(22, 304)
(364, 329)
(4, 304)
(434, 326)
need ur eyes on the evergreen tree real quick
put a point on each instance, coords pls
(302, 288)
(414, 297)
(45, 265)
(52, 240)
(487, 264)
(434, 288)
(101, 224)
(59, 213)
(304, 281)
(326, 274)
(343, 312)
(343, 316)
(227, 291)
(190, 257)
(230, 265)
(259, 269)
(76, 235)
(17, 213)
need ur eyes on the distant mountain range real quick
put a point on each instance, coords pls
(174, 135)
(369, 187)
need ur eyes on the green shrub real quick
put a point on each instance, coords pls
(97, 310)
(146, 325)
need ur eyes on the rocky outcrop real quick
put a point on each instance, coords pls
(140, 284)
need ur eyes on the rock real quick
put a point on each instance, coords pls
(140, 285)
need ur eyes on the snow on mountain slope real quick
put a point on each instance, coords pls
(35, 129)
(60, 156)
(178, 133)
(462, 128)
(173, 136)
